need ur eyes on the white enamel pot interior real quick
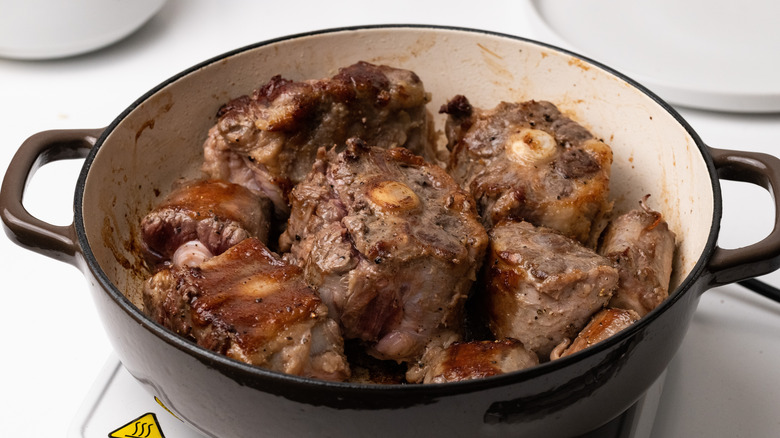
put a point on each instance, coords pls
(160, 139)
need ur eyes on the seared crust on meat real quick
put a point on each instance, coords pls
(276, 132)
(381, 244)
(390, 242)
(248, 304)
(604, 324)
(471, 360)
(541, 286)
(527, 161)
(215, 213)
(641, 245)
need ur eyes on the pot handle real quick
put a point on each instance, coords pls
(57, 242)
(733, 265)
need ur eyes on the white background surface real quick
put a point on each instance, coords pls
(724, 52)
(724, 382)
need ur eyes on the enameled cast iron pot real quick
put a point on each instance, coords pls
(131, 164)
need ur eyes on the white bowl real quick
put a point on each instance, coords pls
(45, 29)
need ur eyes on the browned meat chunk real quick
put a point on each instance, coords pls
(541, 286)
(390, 242)
(202, 219)
(470, 360)
(527, 161)
(642, 247)
(250, 305)
(604, 324)
(269, 140)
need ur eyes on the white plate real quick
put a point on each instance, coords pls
(710, 54)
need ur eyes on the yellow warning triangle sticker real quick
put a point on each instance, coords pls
(144, 426)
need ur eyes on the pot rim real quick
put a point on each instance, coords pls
(244, 370)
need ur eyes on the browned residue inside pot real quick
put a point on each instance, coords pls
(579, 63)
(485, 49)
(106, 232)
(119, 234)
(162, 109)
(147, 124)
(495, 63)
(135, 270)
(421, 46)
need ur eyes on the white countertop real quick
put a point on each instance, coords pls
(725, 381)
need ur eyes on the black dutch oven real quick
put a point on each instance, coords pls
(131, 164)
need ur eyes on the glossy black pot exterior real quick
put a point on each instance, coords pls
(225, 398)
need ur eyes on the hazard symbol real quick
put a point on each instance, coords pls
(144, 426)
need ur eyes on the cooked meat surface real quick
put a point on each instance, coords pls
(527, 161)
(604, 324)
(202, 219)
(458, 361)
(250, 305)
(541, 286)
(269, 140)
(641, 245)
(390, 242)
(380, 244)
